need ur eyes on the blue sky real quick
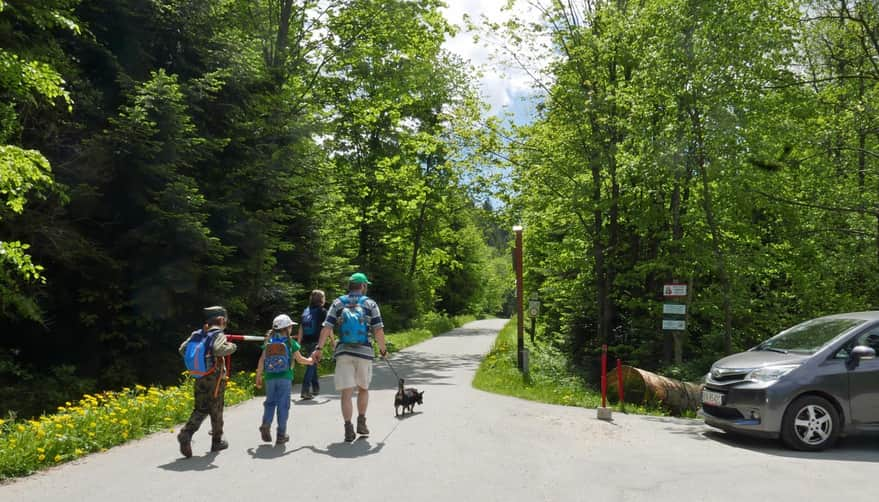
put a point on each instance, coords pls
(503, 87)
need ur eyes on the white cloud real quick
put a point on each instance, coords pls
(503, 86)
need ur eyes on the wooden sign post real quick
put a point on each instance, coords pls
(674, 312)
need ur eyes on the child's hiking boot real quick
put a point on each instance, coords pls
(219, 444)
(185, 441)
(282, 438)
(349, 432)
(361, 426)
(265, 432)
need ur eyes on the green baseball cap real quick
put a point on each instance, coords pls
(358, 278)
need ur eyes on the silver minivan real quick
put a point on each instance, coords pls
(808, 385)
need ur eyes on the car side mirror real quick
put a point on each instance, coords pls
(863, 353)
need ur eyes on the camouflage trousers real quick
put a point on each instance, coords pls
(207, 405)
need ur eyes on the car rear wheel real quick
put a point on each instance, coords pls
(810, 423)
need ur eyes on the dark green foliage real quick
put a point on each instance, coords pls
(220, 152)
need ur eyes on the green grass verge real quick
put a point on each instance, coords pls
(549, 379)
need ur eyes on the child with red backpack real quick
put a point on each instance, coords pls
(276, 368)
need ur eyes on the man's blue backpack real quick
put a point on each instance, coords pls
(197, 356)
(277, 358)
(353, 328)
(310, 330)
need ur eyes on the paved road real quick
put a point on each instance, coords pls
(462, 445)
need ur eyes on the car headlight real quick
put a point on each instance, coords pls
(770, 373)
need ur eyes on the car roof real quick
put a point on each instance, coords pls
(868, 315)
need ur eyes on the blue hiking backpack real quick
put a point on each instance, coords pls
(353, 328)
(310, 330)
(197, 356)
(277, 358)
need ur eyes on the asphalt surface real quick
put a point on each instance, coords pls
(461, 445)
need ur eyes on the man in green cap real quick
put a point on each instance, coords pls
(203, 353)
(356, 315)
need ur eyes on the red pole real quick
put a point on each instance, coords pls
(620, 379)
(604, 376)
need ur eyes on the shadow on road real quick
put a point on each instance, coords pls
(267, 451)
(457, 332)
(359, 448)
(421, 368)
(408, 415)
(417, 368)
(204, 463)
(311, 402)
(860, 448)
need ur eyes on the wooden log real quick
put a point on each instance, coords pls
(643, 387)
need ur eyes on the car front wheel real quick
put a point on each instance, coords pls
(810, 423)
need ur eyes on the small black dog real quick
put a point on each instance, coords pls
(407, 398)
(412, 397)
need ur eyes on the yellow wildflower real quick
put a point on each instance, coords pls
(57, 458)
(2, 422)
(78, 452)
(41, 450)
(20, 428)
(124, 434)
(91, 434)
(41, 458)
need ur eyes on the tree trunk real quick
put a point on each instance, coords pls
(416, 240)
(643, 387)
(717, 247)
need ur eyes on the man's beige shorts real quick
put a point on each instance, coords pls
(352, 372)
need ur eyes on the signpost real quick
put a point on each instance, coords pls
(674, 308)
(674, 321)
(673, 325)
(533, 310)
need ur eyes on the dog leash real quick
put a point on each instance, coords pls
(392, 368)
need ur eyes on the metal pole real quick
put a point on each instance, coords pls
(533, 321)
(604, 376)
(520, 295)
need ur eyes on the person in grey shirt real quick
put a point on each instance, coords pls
(356, 315)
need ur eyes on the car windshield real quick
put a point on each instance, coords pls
(810, 336)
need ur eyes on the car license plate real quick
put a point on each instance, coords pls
(712, 398)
